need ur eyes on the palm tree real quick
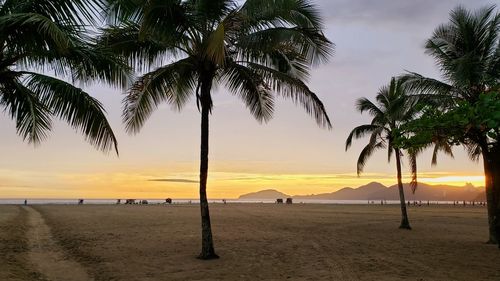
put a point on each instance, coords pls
(50, 36)
(256, 49)
(467, 51)
(393, 108)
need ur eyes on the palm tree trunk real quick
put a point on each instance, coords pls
(491, 181)
(207, 243)
(405, 223)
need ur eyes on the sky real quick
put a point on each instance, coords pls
(375, 40)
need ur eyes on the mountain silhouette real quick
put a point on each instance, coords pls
(378, 191)
(264, 194)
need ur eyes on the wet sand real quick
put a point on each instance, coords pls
(257, 242)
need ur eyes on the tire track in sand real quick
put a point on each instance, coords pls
(47, 256)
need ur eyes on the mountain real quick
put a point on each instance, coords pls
(430, 192)
(377, 191)
(264, 194)
(363, 192)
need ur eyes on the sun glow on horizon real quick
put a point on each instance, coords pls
(154, 184)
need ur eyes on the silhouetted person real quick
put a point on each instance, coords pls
(408, 203)
(465, 203)
(25, 202)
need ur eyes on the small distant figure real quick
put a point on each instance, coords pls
(168, 201)
(119, 201)
(25, 202)
(465, 203)
(189, 202)
(473, 203)
(80, 201)
(428, 203)
(289, 201)
(224, 201)
(408, 203)
(279, 201)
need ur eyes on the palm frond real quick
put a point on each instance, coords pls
(414, 82)
(359, 132)
(210, 11)
(68, 11)
(73, 105)
(296, 90)
(364, 104)
(252, 89)
(412, 157)
(473, 150)
(39, 26)
(367, 151)
(31, 116)
(216, 47)
(441, 145)
(140, 50)
(297, 15)
(173, 84)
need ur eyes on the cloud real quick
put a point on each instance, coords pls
(382, 12)
(175, 180)
(253, 178)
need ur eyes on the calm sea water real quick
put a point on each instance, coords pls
(194, 201)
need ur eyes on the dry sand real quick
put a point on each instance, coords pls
(269, 242)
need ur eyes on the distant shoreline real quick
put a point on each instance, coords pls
(48, 201)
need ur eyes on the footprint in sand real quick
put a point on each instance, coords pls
(47, 256)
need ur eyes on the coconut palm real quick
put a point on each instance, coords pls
(392, 109)
(49, 36)
(256, 49)
(467, 51)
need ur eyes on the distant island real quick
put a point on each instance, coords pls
(264, 194)
(378, 191)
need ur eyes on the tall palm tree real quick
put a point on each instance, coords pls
(392, 109)
(256, 49)
(467, 51)
(49, 36)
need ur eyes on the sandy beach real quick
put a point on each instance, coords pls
(255, 242)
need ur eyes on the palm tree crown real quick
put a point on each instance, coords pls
(50, 36)
(392, 109)
(467, 51)
(256, 49)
